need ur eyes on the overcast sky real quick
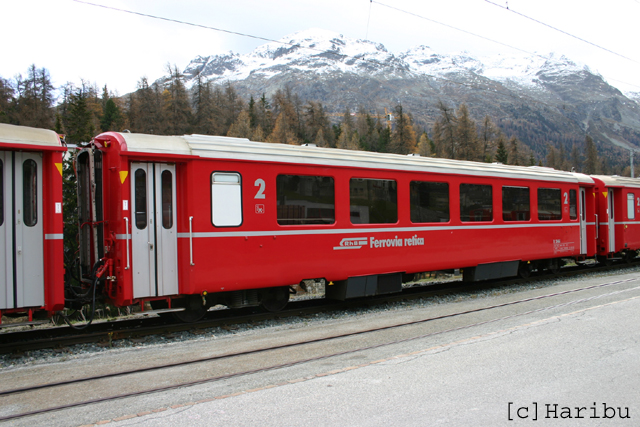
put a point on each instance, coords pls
(77, 41)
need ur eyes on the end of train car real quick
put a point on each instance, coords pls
(31, 221)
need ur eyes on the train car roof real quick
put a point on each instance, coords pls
(23, 135)
(619, 181)
(243, 149)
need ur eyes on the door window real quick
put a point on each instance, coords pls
(141, 199)
(30, 192)
(167, 199)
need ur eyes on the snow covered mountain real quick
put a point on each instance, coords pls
(542, 99)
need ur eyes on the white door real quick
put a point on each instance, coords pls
(21, 233)
(583, 222)
(612, 224)
(154, 238)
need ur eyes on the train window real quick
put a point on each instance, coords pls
(373, 201)
(30, 192)
(515, 204)
(631, 206)
(573, 204)
(305, 200)
(429, 201)
(140, 178)
(476, 202)
(1, 193)
(226, 199)
(549, 204)
(167, 199)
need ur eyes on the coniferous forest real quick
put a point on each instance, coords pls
(81, 112)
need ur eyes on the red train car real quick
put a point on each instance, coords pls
(194, 220)
(31, 222)
(618, 217)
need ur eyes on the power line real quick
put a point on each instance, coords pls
(560, 31)
(456, 28)
(503, 44)
(441, 78)
(146, 15)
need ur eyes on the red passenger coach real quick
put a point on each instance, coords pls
(618, 216)
(191, 221)
(31, 237)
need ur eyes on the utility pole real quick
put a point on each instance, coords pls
(631, 157)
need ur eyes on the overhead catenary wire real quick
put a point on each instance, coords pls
(560, 31)
(456, 28)
(507, 94)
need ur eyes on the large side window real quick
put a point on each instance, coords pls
(515, 204)
(226, 199)
(373, 201)
(631, 206)
(476, 202)
(140, 196)
(549, 204)
(429, 201)
(304, 200)
(30, 192)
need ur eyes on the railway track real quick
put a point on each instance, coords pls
(288, 354)
(136, 328)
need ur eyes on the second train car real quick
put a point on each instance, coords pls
(192, 221)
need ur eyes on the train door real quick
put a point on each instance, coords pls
(154, 238)
(21, 232)
(612, 223)
(583, 221)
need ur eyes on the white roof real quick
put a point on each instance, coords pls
(12, 134)
(243, 149)
(619, 181)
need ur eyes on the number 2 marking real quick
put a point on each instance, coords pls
(261, 184)
(566, 198)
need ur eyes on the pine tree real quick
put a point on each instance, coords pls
(553, 157)
(176, 105)
(513, 151)
(466, 136)
(319, 141)
(487, 138)
(145, 109)
(591, 163)
(446, 132)
(403, 137)
(78, 122)
(111, 118)
(576, 162)
(34, 104)
(242, 126)
(6, 101)
(203, 107)
(501, 153)
(424, 145)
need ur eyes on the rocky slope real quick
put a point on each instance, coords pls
(540, 99)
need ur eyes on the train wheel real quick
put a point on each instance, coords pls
(630, 256)
(604, 260)
(554, 266)
(274, 299)
(194, 310)
(524, 269)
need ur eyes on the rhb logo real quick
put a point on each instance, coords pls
(351, 243)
